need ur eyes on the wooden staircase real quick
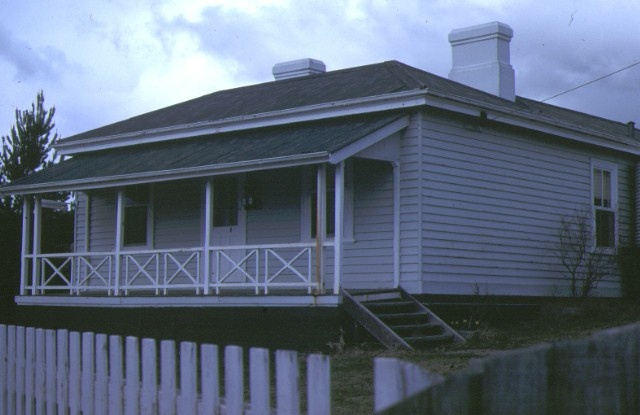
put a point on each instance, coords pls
(397, 319)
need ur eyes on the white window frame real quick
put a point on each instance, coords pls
(612, 168)
(308, 183)
(150, 221)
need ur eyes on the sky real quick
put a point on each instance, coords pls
(102, 61)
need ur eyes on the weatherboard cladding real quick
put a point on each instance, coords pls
(492, 203)
(209, 151)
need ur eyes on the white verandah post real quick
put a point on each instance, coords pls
(321, 220)
(339, 222)
(396, 224)
(119, 239)
(37, 232)
(208, 212)
(26, 231)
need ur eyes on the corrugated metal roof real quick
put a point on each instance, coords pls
(204, 153)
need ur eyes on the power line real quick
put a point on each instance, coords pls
(591, 82)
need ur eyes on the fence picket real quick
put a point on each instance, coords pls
(115, 406)
(50, 371)
(11, 370)
(188, 375)
(88, 367)
(167, 378)
(29, 370)
(210, 383)
(395, 380)
(39, 385)
(233, 380)
(101, 375)
(318, 385)
(259, 381)
(75, 373)
(62, 371)
(20, 355)
(149, 398)
(287, 393)
(132, 384)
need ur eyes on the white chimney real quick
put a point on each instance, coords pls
(298, 68)
(480, 58)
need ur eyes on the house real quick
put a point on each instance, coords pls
(284, 193)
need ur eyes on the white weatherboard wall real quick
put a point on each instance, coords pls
(411, 206)
(493, 203)
(368, 259)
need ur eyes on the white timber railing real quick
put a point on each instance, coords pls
(258, 268)
(58, 371)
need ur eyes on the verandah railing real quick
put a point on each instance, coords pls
(258, 268)
(58, 371)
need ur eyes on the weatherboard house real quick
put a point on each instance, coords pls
(291, 192)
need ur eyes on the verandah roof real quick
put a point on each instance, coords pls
(293, 144)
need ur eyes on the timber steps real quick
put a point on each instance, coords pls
(397, 319)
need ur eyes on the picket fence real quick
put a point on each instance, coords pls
(63, 372)
(596, 375)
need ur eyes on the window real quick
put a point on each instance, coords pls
(136, 215)
(225, 201)
(310, 207)
(330, 205)
(604, 179)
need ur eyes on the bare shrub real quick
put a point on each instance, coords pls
(583, 263)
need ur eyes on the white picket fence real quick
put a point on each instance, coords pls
(63, 372)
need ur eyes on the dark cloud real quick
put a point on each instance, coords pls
(29, 61)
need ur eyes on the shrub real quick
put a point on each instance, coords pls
(628, 259)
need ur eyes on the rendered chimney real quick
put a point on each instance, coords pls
(481, 58)
(298, 68)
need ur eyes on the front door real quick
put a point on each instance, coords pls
(228, 230)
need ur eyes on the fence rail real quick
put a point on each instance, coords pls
(596, 375)
(57, 371)
(255, 267)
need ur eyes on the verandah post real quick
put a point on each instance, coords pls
(26, 230)
(321, 219)
(339, 222)
(119, 239)
(208, 194)
(37, 227)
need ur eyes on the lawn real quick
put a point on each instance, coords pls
(352, 367)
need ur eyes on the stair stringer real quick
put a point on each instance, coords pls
(373, 324)
(433, 317)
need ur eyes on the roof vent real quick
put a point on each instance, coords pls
(298, 68)
(481, 58)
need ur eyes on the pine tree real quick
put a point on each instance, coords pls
(27, 149)
(24, 151)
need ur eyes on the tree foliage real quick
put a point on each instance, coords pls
(27, 148)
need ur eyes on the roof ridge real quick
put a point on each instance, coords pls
(400, 71)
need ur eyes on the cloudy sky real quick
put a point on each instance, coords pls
(102, 61)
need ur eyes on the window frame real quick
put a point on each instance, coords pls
(612, 169)
(148, 204)
(308, 196)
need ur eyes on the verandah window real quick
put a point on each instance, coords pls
(136, 215)
(604, 204)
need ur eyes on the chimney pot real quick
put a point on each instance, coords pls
(481, 58)
(298, 68)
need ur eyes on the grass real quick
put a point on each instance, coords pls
(352, 367)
